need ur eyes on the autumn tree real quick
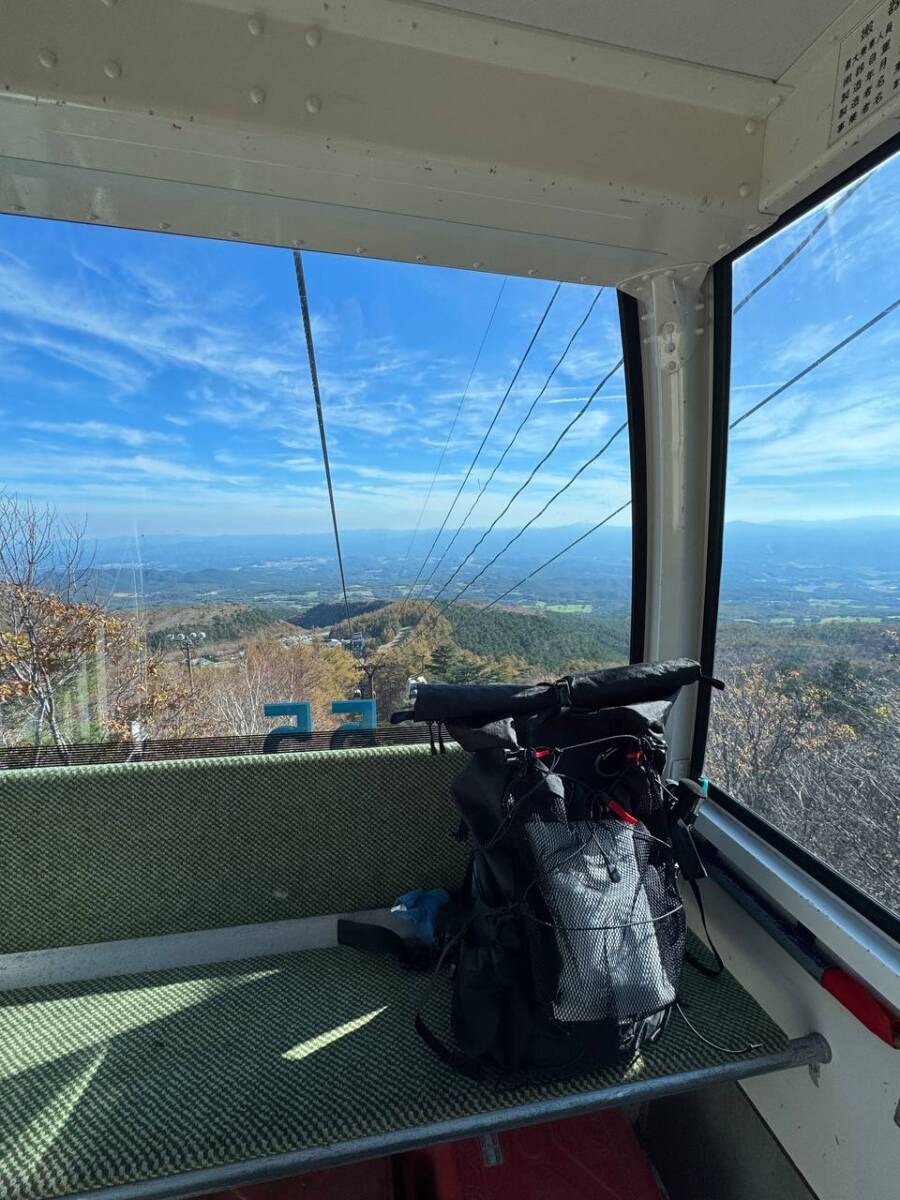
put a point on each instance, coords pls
(819, 757)
(48, 623)
(230, 697)
(65, 661)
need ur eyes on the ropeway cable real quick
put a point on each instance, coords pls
(584, 466)
(490, 427)
(510, 444)
(314, 376)
(447, 442)
(518, 492)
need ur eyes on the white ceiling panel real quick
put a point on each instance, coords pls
(756, 37)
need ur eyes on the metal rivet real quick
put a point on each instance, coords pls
(669, 347)
(298, 242)
(699, 306)
(573, 58)
(93, 217)
(669, 328)
(164, 225)
(256, 25)
(582, 278)
(645, 316)
(420, 258)
(647, 340)
(47, 58)
(313, 37)
(531, 271)
(671, 366)
(360, 249)
(774, 101)
(258, 94)
(645, 74)
(750, 127)
(17, 207)
(752, 228)
(112, 69)
(109, 3)
(711, 87)
(670, 274)
(723, 246)
(233, 233)
(645, 279)
(313, 104)
(744, 191)
(477, 265)
(700, 330)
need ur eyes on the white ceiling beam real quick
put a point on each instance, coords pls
(405, 133)
(388, 129)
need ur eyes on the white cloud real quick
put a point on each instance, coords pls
(100, 431)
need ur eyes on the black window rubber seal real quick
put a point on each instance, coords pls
(630, 324)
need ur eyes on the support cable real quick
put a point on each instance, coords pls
(447, 442)
(518, 492)
(559, 554)
(743, 417)
(816, 363)
(584, 466)
(507, 450)
(509, 446)
(490, 427)
(801, 245)
(314, 376)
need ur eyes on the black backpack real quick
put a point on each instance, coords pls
(567, 941)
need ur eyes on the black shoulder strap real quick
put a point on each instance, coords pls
(710, 972)
(380, 940)
(457, 1059)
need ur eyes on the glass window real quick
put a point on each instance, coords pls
(807, 733)
(167, 558)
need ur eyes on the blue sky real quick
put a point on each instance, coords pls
(159, 384)
(830, 446)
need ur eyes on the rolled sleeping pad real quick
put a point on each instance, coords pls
(444, 701)
(635, 684)
(638, 683)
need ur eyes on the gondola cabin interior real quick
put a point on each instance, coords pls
(354, 346)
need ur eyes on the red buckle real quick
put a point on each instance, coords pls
(622, 813)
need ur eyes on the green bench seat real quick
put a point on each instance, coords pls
(169, 1082)
(207, 1077)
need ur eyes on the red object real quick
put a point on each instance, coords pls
(358, 1181)
(864, 1006)
(622, 813)
(596, 1157)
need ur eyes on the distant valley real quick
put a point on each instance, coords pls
(783, 573)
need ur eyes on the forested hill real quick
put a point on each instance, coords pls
(554, 641)
(548, 641)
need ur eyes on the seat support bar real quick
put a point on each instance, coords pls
(811, 1050)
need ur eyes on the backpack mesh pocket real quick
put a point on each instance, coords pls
(615, 913)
